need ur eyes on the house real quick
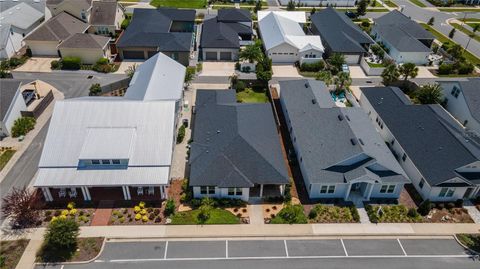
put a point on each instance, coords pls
(440, 160)
(339, 152)
(236, 151)
(44, 40)
(17, 19)
(11, 103)
(340, 35)
(167, 30)
(284, 39)
(114, 148)
(223, 35)
(404, 40)
(90, 48)
(81, 9)
(106, 17)
(462, 100)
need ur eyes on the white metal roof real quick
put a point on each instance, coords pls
(116, 143)
(158, 78)
(297, 16)
(22, 16)
(277, 29)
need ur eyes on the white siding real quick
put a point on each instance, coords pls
(458, 108)
(43, 48)
(221, 193)
(13, 113)
(283, 53)
(88, 56)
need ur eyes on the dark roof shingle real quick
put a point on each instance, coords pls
(103, 12)
(8, 89)
(58, 28)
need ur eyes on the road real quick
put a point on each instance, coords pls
(71, 85)
(391, 253)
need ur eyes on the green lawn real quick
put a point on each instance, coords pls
(465, 31)
(472, 241)
(252, 96)
(217, 216)
(469, 19)
(451, 9)
(179, 3)
(308, 74)
(5, 157)
(390, 3)
(472, 24)
(375, 65)
(418, 3)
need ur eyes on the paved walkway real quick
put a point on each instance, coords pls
(256, 214)
(472, 211)
(102, 215)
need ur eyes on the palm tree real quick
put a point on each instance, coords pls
(408, 70)
(429, 94)
(472, 35)
(342, 80)
(325, 76)
(252, 53)
(336, 59)
(390, 74)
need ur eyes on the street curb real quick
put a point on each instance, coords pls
(78, 262)
(465, 247)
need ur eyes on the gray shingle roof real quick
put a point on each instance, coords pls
(217, 34)
(4, 35)
(38, 5)
(85, 41)
(339, 32)
(434, 150)
(8, 89)
(234, 15)
(328, 137)
(471, 91)
(58, 28)
(103, 12)
(234, 145)
(398, 19)
(150, 28)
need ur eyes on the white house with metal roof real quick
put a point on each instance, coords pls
(284, 39)
(113, 148)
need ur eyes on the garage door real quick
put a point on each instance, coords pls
(211, 56)
(226, 56)
(352, 59)
(133, 54)
(44, 49)
(283, 58)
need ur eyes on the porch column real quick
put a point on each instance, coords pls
(261, 190)
(161, 192)
(282, 190)
(165, 193)
(370, 191)
(86, 194)
(126, 193)
(47, 194)
(348, 191)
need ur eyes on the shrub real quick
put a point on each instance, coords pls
(151, 216)
(313, 214)
(55, 65)
(141, 204)
(288, 194)
(156, 211)
(73, 211)
(181, 134)
(412, 213)
(138, 216)
(169, 207)
(465, 68)
(29, 52)
(240, 86)
(373, 218)
(22, 126)
(445, 69)
(149, 210)
(440, 206)
(450, 205)
(237, 66)
(95, 89)
(57, 213)
(121, 220)
(60, 240)
(425, 207)
(354, 212)
(136, 209)
(48, 213)
(71, 205)
(145, 218)
(71, 63)
(459, 203)
(158, 220)
(143, 212)
(365, 24)
(312, 67)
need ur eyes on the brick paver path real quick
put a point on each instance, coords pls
(102, 215)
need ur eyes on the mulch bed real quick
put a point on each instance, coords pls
(454, 215)
(84, 219)
(12, 252)
(88, 248)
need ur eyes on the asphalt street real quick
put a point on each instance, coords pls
(277, 254)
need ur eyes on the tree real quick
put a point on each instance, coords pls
(313, 11)
(326, 77)
(431, 21)
(342, 80)
(291, 5)
(252, 53)
(169, 207)
(205, 208)
(452, 33)
(362, 7)
(264, 70)
(472, 35)
(22, 126)
(408, 70)
(258, 6)
(390, 74)
(95, 89)
(456, 51)
(429, 94)
(189, 75)
(336, 60)
(22, 206)
(131, 70)
(60, 240)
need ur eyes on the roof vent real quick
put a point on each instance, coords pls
(353, 141)
(440, 148)
(314, 101)
(361, 141)
(346, 116)
(306, 85)
(218, 131)
(340, 117)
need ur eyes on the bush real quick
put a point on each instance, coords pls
(365, 24)
(440, 206)
(169, 207)
(465, 68)
(373, 218)
(354, 212)
(55, 65)
(60, 241)
(95, 89)
(313, 214)
(71, 63)
(445, 69)
(425, 207)
(459, 203)
(312, 67)
(412, 213)
(22, 126)
(240, 86)
(181, 134)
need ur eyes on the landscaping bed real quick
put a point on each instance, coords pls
(5, 155)
(11, 252)
(217, 216)
(392, 214)
(452, 215)
(289, 214)
(142, 213)
(333, 214)
(472, 241)
(252, 95)
(87, 249)
(83, 216)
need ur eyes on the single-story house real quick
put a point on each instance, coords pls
(340, 35)
(462, 100)
(90, 48)
(114, 148)
(81, 9)
(11, 103)
(106, 17)
(339, 152)
(236, 151)
(405, 40)
(441, 161)
(223, 35)
(167, 30)
(17, 21)
(44, 40)
(284, 39)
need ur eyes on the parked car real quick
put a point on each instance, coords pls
(350, 14)
(345, 68)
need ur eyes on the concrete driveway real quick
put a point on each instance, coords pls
(356, 72)
(217, 69)
(285, 71)
(125, 64)
(424, 73)
(37, 64)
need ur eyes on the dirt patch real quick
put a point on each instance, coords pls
(12, 251)
(453, 215)
(406, 200)
(175, 191)
(87, 249)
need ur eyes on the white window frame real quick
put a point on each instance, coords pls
(446, 192)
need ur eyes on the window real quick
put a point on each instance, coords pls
(105, 161)
(323, 189)
(234, 191)
(383, 189)
(203, 190)
(238, 191)
(421, 183)
(387, 189)
(455, 91)
(207, 190)
(231, 191)
(446, 192)
(331, 189)
(404, 157)
(327, 189)
(211, 190)
(115, 161)
(94, 162)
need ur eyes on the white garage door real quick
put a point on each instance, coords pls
(44, 49)
(352, 59)
(283, 57)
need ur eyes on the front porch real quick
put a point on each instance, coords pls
(267, 191)
(117, 193)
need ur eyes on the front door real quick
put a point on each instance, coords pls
(355, 187)
(467, 194)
